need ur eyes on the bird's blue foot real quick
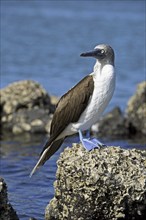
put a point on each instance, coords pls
(90, 143)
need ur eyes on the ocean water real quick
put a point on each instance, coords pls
(42, 41)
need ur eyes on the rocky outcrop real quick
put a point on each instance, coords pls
(107, 183)
(136, 110)
(25, 107)
(130, 124)
(6, 210)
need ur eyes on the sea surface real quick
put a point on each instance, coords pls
(42, 41)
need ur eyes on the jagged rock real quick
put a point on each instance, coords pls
(136, 110)
(6, 210)
(25, 107)
(107, 183)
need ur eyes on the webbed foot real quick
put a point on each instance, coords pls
(90, 143)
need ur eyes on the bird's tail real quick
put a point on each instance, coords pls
(46, 154)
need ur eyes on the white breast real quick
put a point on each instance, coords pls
(104, 85)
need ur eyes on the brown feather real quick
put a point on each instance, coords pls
(69, 109)
(47, 153)
(71, 106)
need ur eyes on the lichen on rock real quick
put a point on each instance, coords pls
(107, 183)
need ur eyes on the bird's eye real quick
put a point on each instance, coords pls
(102, 51)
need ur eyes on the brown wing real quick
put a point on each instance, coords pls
(71, 105)
(69, 109)
(47, 152)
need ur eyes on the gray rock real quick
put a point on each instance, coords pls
(6, 210)
(112, 125)
(136, 110)
(23, 104)
(107, 183)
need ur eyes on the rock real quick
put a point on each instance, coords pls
(107, 183)
(136, 110)
(31, 120)
(6, 210)
(54, 100)
(112, 125)
(22, 104)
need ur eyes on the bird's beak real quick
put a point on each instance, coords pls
(93, 53)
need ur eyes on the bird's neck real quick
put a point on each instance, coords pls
(98, 70)
(103, 72)
(97, 67)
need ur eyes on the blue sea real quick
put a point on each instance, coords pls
(42, 41)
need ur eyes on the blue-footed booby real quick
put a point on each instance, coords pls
(81, 107)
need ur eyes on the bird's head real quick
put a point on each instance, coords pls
(102, 52)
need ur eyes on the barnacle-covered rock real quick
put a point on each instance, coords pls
(107, 183)
(25, 107)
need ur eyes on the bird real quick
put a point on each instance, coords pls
(82, 106)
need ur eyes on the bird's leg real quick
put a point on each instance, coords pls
(88, 134)
(95, 140)
(87, 143)
(90, 144)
